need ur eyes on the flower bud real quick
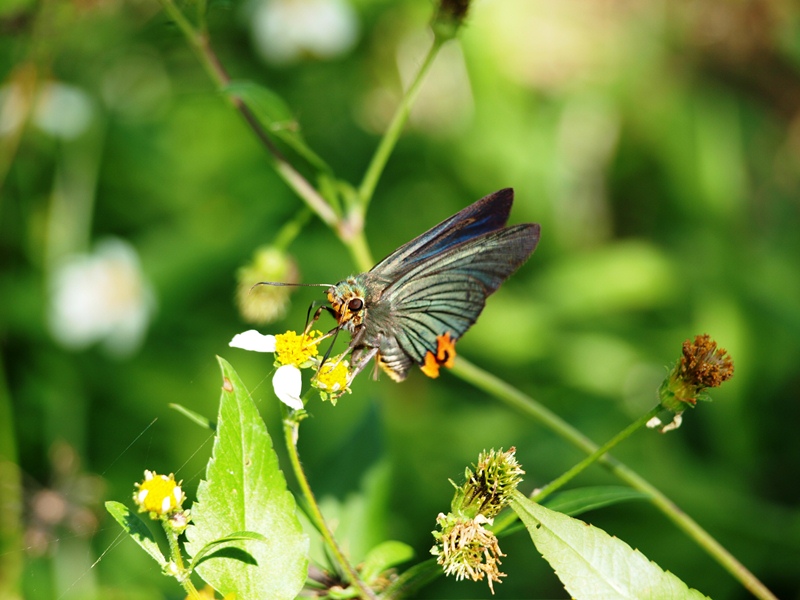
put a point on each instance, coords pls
(265, 303)
(450, 15)
(703, 365)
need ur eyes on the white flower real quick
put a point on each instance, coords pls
(287, 385)
(101, 297)
(253, 341)
(287, 30)
(286, 381)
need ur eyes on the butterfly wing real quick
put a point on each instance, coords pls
(487, 214)
(445, 293)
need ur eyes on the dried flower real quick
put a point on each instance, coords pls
(465, 548)
(703, 365)
(450, 15)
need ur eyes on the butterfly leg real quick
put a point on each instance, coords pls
(361, 358)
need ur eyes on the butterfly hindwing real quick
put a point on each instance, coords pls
(446, 293)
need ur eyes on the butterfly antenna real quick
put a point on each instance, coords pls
(284, 284)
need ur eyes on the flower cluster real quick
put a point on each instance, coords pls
(464, 547)
(294, 352)
(702, 365)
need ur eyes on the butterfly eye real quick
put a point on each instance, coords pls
(355, 305)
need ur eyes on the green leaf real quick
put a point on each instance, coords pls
(580, 500)
(276, 117)
(215, 545)
(592, 564)
(204, 422)
(137, 529)
(245, 491)
(383, 556)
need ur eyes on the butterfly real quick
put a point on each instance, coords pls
(414, 305)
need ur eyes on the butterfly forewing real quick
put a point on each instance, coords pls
(487, 214)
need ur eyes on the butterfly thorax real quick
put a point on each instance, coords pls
(348, 300)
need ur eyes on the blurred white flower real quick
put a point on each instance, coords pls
(287, 30)
(101, 297)
(57, 108)
(63, 110)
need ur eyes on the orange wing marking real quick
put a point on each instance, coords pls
(445, 355)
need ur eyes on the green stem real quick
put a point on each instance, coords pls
(177, 558)
(291, 229)
(389, 140)
(290, 431)
(524, 403)
(11, 499)
(594, 457)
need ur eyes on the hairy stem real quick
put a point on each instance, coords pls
(290, 430)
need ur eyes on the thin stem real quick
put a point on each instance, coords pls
(524, 403)
(290, 431)
(389, 140)
(177, 558)
(595, 456)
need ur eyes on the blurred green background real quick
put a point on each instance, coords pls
(657, 143)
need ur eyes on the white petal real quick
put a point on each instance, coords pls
(287, 384)
(253, 340)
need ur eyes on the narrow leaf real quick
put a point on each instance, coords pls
(216, 544)
(384, 556)
(592, 564)
(244, 490)
(580, 500)
(204, 422)
(137, 529)
(276, 117)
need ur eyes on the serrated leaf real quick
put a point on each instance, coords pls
(275, 116)
(592, 564)
(384, 556)
(244, 490)
(580, 500)
(137, 529)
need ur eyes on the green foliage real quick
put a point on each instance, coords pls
(136, 528)
(657, 145)
(245, 491)
(592, 564)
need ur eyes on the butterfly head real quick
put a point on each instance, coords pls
(347, 301)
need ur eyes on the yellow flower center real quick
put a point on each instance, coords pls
(333, 378)
(294, 349)
(158, 494)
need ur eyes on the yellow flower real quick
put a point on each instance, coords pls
(158, 495)
(331, 380)
(294, 349)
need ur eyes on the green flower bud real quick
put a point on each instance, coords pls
(265, 303)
